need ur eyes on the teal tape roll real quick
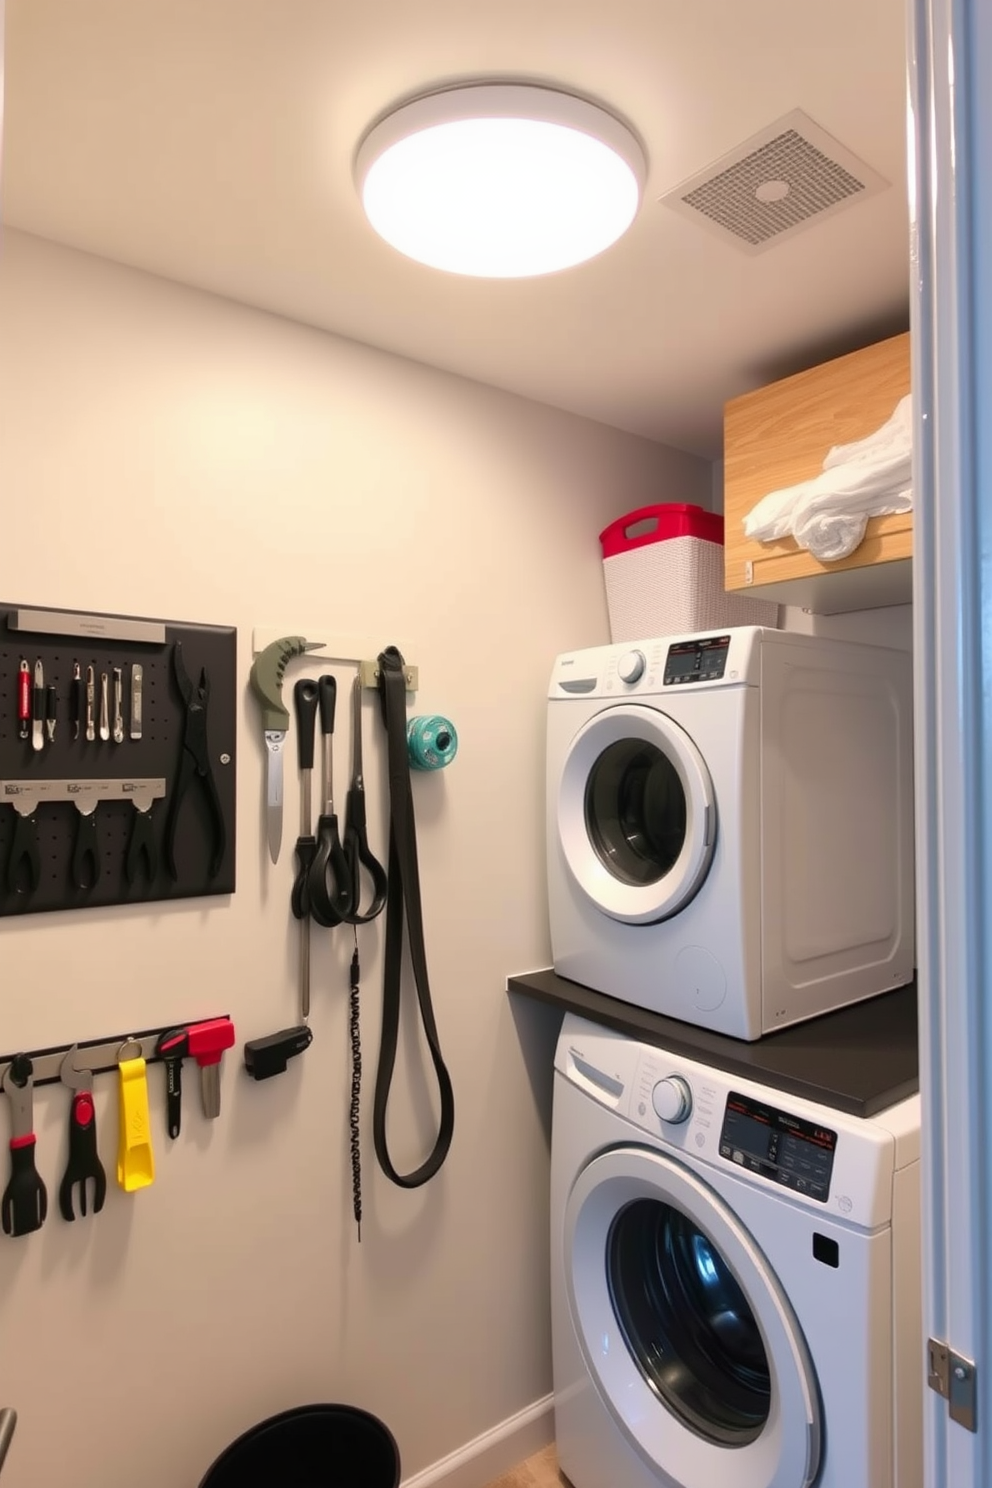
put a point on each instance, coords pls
(431, 742)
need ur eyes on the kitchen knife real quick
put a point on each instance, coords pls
(267, 673)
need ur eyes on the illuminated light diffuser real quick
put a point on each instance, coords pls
(500, 181)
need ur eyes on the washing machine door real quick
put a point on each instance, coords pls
(690, 1340)
(636, 814)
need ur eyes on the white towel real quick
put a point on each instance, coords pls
(827, 515)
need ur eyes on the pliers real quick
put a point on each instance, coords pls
(24, 862)
(142, 854)
(195, 761)
(86, 862)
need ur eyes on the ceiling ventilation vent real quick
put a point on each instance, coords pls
(775, 184)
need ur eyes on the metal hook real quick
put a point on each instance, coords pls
(137, 1044)
(18, 1071)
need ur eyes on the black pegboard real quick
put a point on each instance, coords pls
(91, 640)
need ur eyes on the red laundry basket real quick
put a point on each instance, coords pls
(663, 567)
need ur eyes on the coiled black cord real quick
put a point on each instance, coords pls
(356, 1091)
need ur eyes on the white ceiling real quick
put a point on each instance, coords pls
(212, 140)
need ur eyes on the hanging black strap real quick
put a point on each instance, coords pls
(404, 900)
(355, 1107)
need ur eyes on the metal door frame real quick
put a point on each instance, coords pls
(950, 136)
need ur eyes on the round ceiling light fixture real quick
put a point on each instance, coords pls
(500, 180)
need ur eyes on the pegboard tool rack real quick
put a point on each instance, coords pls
(59, 639)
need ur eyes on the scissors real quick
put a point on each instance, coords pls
(330, 893)
(357, 853)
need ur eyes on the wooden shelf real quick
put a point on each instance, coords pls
(779, 435)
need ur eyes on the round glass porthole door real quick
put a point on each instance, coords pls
(687, 1323)
(693, 1346)
(636, 814)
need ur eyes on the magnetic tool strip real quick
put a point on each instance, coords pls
(172, 693)
(103, 1051)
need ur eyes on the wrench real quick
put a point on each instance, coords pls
(25, 1199)
(84, 1161)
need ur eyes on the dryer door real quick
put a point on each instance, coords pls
(685, 1329)
(636, 814)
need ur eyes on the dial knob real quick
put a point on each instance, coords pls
(672, 1099)
(630, 667)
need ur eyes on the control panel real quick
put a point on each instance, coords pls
(702, 659)
(797, 1154)
(729, 658)
(723, 1126)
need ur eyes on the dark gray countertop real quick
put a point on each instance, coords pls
(860, 1059)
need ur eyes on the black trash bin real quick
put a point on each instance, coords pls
(313, 1446)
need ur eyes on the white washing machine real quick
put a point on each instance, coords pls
(730, 825)
(735, 1279)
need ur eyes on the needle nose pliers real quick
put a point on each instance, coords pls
(195, 762)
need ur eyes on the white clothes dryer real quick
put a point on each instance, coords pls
(730, 825)
(735, 1279)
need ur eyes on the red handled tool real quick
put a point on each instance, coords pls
(84, 1160)
(207, 1042)
(25, 1199)
(24, 700)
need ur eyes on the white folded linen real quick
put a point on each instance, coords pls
(828, 514)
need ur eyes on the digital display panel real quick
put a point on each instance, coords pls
(696, 661)
(795, 1153)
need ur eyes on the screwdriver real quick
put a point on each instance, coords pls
(90, 701)
(24, 699)
(76, 698)
(38, 708)
(118, 734)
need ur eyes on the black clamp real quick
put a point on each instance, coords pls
(269, 1056)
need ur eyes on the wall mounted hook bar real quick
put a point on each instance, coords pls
(98, 1055)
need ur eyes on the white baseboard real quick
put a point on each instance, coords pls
(494, 1452)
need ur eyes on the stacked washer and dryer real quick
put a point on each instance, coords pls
(735, 1271)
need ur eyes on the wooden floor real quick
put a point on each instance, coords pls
(539, 1471)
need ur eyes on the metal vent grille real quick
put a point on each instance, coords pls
(774, 184)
